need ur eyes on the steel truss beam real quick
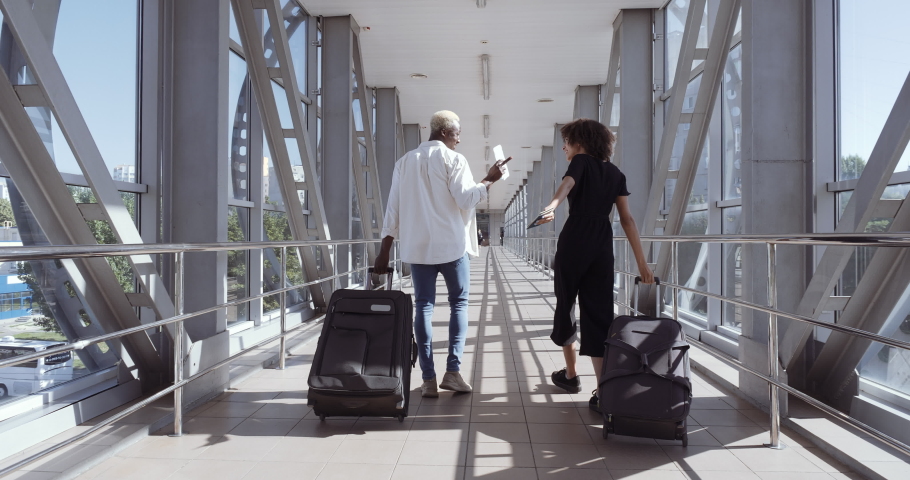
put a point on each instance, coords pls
(315, 265)
(366, 175)
(699, 120)
(860, 209)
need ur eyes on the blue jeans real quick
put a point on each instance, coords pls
(457, 275)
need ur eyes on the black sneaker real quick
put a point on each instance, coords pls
(570, 385)
(594, 402)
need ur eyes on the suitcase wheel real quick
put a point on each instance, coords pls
(322, 417)
(401, 419)
(685, 439)
(605, 434)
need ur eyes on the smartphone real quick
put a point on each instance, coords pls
(499, 156)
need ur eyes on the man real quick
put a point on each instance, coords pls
(431, 210)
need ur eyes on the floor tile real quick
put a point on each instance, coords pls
(377, 452)
(348, 471)
(441, 413)
(726, 418)
(230, 410)
(499, 432)
(280, 470)
(500, 473)
(434, 453)
(647, 475)
(186, 447)
(425, 472)
(220, 469)
(500, 454)
(438, 432)
(240, 448)
(631, 456)
(142, 469)
(303, 449)
(567, 455)
(702, 459)
(497, 414)
(559, 433)
(762, 459)
(264, 427)
(560, 416)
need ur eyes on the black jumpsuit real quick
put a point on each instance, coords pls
(584, 255)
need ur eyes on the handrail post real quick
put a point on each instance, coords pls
(282, 302)
(773, 365)
(178, 345)
(674, 269)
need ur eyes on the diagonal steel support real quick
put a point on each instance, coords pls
(698, 120)
(870, 308)
(859, 211)
(317, 262)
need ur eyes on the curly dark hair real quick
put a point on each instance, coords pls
(593, 136)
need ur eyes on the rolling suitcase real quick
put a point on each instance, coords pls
(363, 360)
(645, 389)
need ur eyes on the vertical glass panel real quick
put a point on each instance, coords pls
(47, 308)
(873, 67)
(358, 117)
(284, 111)
(319, 149)
(699, 195)
(238, 265)
(271, 188)
(238, 127)
(886, 365)
(275, 228)
(104, 85)
(614, 114)
(732, 267)
(733, 124)
(295, 23)
(693, 264)
(319, 67)
(676, 13)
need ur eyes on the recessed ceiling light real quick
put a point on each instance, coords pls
(525, 147)
(419, 76)
(484, 42)
(365, 29)
(544, 100)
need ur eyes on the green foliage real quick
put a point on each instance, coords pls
(6, 212)
(103, 235)
(277, 228)
(851, 166)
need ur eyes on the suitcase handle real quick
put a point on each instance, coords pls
(390, 274)
(657, 295)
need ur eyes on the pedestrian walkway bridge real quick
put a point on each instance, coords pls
(515, 425)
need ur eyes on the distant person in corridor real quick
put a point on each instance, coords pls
(584, 254)
(431, 211)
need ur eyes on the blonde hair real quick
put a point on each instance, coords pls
(443, 120)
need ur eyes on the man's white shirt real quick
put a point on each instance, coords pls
(431, 205)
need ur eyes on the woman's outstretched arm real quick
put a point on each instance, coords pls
(628, 226)
(564, 188)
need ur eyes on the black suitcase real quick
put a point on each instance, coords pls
(363, 360)
(645, 389)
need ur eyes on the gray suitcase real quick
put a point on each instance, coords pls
(645, 388)
(363, 361)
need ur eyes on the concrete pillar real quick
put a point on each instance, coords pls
(199, 156)
(337, 121)
(777, 165)
(196, 170)
(634, 144)
(386, 138)
(587, 102)
(411, 136)
(560, 165)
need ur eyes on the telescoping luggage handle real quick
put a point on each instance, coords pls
(390, 274)
(656, 296)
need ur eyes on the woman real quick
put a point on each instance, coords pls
(584, 254)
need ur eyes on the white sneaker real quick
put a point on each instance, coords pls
(453, 381)
(428, 389)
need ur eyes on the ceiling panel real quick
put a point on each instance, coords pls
(538, 49)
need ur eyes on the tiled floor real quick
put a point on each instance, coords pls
(515, 424)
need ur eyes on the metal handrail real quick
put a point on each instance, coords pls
(93, 251)
(772, 241)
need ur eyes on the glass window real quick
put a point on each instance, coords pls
(872, 69)
(295, 23)
(237, 265)
(105, 86)
(693, 264)
(891, 366)
(676, 13)
(275, 227)
(732, 267)
(238, 127)
(733, 124)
